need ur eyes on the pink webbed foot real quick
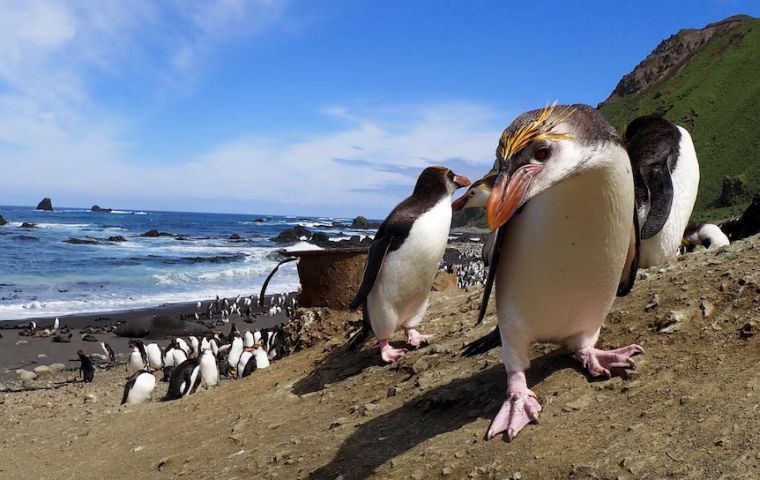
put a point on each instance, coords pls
(599, 362)
(415, 338)
(389, 353)
(519, 409)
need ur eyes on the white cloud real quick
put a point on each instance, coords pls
(57, 138)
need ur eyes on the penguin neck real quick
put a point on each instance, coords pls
(437, 190)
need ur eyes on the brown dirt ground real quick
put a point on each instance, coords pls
(689, 411)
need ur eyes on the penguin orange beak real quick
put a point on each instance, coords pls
(508, 194)
(461, 181)
(459, 203)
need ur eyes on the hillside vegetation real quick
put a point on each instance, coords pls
(706, 81)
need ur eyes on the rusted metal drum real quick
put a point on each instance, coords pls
(329, 278)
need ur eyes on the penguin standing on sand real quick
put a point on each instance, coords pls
(184, 380)
(138, 359)
(139, 388)
(404, 258)
(155, 357)
(233, 356)
(209, 368)
(108, 351)
(665, 178)
(566, 188)
(86, 369)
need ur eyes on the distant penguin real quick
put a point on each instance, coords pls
(194, 347)
(86, 369)
(209, 368)
(245, 358)
(182, 345)
(108, 351)
(184, 380)
(248, 339)
(233, 357)
(88, 337)
(666, 178)
(261, 358)
(404, 258)
(155, 357)
(56, 324)
(704, 234)
(139, 388)
(138, 358)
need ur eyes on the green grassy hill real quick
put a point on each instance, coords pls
(707, 81)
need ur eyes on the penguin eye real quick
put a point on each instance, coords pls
(541, 154)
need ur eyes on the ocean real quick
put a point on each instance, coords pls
(43, 275)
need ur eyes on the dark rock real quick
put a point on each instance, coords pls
(3, 221)
(292, 235)
(98, 209)
(28, 225)
(260, 220)
(88, 337)
(80, 241)
(747, 225)
(321, 239)
(45, 204)
(116, 238)
(364, 224)
(234, 236)
(153, 233)
(733, 192)
(158, 327)
(469, 217)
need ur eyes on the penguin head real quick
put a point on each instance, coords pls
(477, 195)
(540, 149)
(439, 181)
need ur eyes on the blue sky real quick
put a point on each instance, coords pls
(293, 107)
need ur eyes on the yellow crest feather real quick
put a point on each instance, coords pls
(539, 128)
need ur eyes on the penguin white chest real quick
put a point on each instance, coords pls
(562, 257)
(407, 274)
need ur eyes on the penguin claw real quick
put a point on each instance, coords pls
(416, 339)
(390, 354)
(520, 409)
(600, 362)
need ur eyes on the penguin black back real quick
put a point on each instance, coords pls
(181, 379)
(653, 145)
(86, 369)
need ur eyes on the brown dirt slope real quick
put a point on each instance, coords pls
(689, 411)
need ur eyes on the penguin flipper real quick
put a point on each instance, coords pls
(493, 265)
(628, 277)
(377, 252)
(362, 334)
(483, 344)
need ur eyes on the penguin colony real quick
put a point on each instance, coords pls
(574, 211)
(192, 364)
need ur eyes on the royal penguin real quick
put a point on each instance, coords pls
(209, 368)
(155, 357)
(195, 347)
(108, 351)
(138, 358)
(403, 261)
(563, 200)
(139, 388)
(704, 234)
(184, 380)
(248, 339)
(666, 179)
(260, 357)
(233, 356)
(245, 358)
(182, 345)
(86, 369)
(476, 197)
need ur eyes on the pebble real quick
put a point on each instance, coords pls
(41, 369)
(445, 471)
(90, 398)
(418, 475)
(57, 367)
(26, 375)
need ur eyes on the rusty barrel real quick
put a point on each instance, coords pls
(329, 278)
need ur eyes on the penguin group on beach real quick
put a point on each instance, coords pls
(245, 308)
(192, 364)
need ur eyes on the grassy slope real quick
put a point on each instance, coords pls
(716, 96)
